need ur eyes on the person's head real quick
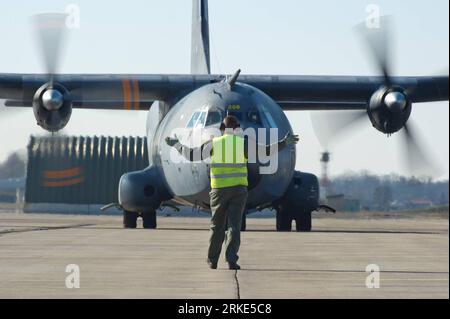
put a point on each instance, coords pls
(230, 123)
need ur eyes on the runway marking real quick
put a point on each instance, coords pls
(206, 229)
(348, 271)
(13, 231)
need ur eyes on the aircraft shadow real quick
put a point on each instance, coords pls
(337, 231)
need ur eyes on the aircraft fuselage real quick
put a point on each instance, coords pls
(201, 112)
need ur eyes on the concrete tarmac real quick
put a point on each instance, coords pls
(330, 262)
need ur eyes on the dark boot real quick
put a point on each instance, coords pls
(233, 266)
(211, 264)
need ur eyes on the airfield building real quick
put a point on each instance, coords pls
(79, 174)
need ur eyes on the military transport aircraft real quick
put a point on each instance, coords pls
(202, 100)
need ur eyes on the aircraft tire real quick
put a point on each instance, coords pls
(303, 223)
(284, 221)
(149, 220)
(130, 220)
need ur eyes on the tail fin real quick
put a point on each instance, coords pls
(200, 60)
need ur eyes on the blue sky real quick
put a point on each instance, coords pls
(258, 36)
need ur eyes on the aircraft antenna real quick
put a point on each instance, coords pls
(232, 81)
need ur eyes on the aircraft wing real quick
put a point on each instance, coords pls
(137, 92)
(342, 92)
(113, 92)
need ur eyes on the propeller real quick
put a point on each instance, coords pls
(50, 33)
(415, 156)
(330, 126)
(378, 39)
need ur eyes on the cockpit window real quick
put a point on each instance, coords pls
(239, 115)
(198, 119)
(193, 120)
(201, 120)
(214, 117)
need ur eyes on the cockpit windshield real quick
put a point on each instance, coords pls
(204, 118)
(193, 121)
(214, 117)
(208, 117)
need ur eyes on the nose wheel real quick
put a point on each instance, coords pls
(284, 218)
(148, 219)
(130, 219)
(283, 221)
(303, 222)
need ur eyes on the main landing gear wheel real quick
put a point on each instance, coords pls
(284, 221)
(130, 219)
(303, 223)
(149, 220)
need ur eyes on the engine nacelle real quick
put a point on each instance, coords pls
(303, 193)
(52, 106)
(142, 191)
(389, 109)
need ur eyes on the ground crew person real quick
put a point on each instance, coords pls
(229, 182)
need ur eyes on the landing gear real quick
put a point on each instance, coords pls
(303, 222)
(149, 220)
(130, 219)
(284, 221)
(300, 199)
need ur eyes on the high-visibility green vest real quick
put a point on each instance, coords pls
(228, 162)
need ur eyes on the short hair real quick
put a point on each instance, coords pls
(230, 122)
